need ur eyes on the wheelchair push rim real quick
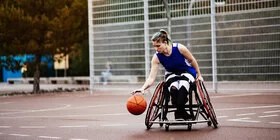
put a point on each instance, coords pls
(154, 105)
(207, 103)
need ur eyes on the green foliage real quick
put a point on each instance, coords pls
(80, 61)
(44, 72)
(41, 27)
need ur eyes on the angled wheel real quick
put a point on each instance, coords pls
(154, 106)
(207, 103)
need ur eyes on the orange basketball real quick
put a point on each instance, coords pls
(136, 104)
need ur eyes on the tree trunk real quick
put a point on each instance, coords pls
(36, 83)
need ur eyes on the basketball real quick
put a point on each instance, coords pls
(136, 104)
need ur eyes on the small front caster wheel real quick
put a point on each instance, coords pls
(209, 123)
(166, 127)
(189, 126)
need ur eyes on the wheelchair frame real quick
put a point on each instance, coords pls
(158, 108)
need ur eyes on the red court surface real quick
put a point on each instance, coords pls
(103, 116)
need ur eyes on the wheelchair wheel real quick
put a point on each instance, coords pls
(207, 104)
(154, 106)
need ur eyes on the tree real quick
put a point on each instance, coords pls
(41, 27)
(80, 61)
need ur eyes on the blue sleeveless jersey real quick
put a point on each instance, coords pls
(176, 62)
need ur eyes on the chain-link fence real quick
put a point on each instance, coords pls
(236, 43)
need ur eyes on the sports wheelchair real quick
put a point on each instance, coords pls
(200, 109)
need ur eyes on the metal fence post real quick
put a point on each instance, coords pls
(91, 57)
(213, 40)
(146, 38)
(168, 15)
(189, 28)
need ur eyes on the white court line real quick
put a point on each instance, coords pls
(246, 114)
(5, 126)
(93, 106)
(243, 120)
(49, 137)
(65, 107)
(39, 110)
(67, 116)
(222, 117)
(114, 125)
(237, 95)
(274, 122)
(5, 103)
(275, 111)
(78, 126)
(31, 127)
(18, 110)
(21, 135)
(267, 116)
(77, 139)
(251, 107)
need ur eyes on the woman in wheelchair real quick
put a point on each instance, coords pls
(181, 71)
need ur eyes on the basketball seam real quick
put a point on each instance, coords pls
(140, 102)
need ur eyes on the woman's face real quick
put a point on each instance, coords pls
(159, 46)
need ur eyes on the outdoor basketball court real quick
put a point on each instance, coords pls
(103, 115)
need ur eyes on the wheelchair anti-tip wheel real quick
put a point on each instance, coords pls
(154, 106)
(207, 104)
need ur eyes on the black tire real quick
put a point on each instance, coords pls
(189, 126)
(166, 127)
(209, 123)
(207, 103)
(148, 127)
(154, 105)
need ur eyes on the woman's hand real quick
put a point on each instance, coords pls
(138, 91)
(199, 78)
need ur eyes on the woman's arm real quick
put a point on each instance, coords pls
(152, 76)
(188, 55)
